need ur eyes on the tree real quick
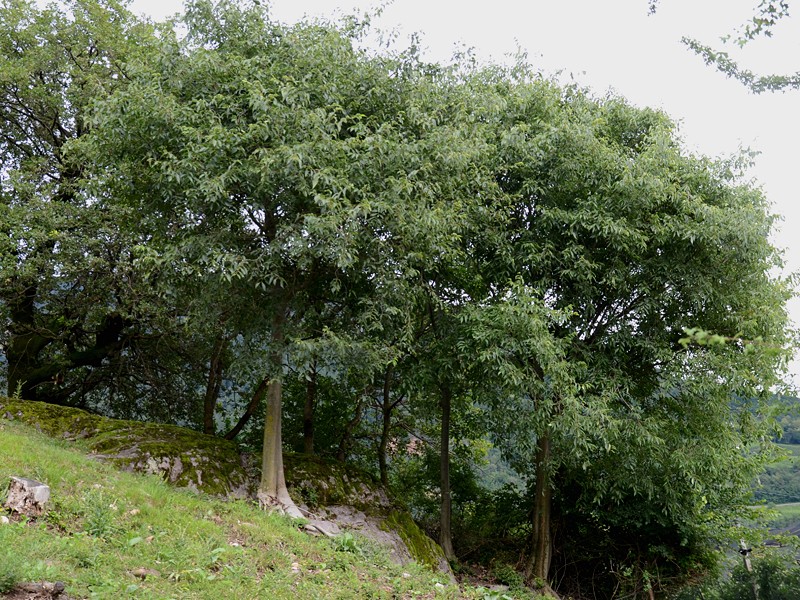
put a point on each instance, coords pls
(306, 188)
(767, 16)
(615, 242)
(383, 228)
(72, 300)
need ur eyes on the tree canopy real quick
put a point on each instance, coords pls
(398, 260)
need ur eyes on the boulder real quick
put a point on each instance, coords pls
(27, 496)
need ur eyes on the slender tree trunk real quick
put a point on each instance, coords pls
(386, 408)
(541, 552)
(213, 385)
(308, 411)
(272, 492)
(445, 536)
(252, 406)
(21, 363)
(24, 345)
(347, 437)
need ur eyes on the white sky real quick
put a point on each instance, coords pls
(615, 44)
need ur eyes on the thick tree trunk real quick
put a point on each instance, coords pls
(213, 385)
(537, 567)
(35, 378)
(308, 411)
(445, 536)
(386, 409)
(272, 492)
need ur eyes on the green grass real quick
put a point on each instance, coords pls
(788, 516)
(780, 482)
(111, 534)
(793, 450)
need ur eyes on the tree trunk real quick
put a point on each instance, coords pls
(258, 395)
(541, 551)
(308, 411)
(272, 492)
(386, 410)
(213, 385)
(347, 437)
(445, 536)
(24, 345)
(37, 379)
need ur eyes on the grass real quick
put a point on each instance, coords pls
(793, 450)
(787, 517)
(111, 534)
(780, 482)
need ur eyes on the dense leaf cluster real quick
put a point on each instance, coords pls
(416, 265)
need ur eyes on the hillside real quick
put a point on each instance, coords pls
(780, 482)
(108, 533)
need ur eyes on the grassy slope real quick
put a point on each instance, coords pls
(103, 526)
(781, 481)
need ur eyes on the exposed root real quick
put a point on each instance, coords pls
(271, 503)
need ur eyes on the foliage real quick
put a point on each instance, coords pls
(82, 323)
(347, 543)
(767, 15)
(412, 262)
(780, 482)
(508, 575)
(775, 573)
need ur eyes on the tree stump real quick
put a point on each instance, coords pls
(27, 496)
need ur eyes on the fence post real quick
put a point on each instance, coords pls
(745, 552)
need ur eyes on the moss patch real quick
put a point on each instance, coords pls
(321, 482)
(52, 420)
(183, 457)
(422, 548)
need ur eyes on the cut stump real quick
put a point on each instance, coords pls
(27, 496)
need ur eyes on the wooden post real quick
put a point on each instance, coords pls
(745, 552)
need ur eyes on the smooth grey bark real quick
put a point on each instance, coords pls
(272, 492)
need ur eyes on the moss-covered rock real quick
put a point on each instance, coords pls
(50, 419)
(424, 550)
(183, 457)
(354, 500)
(319, 482)
(190, 459)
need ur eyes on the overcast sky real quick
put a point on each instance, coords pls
(615, 45)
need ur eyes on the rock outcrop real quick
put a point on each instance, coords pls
(333, 495)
